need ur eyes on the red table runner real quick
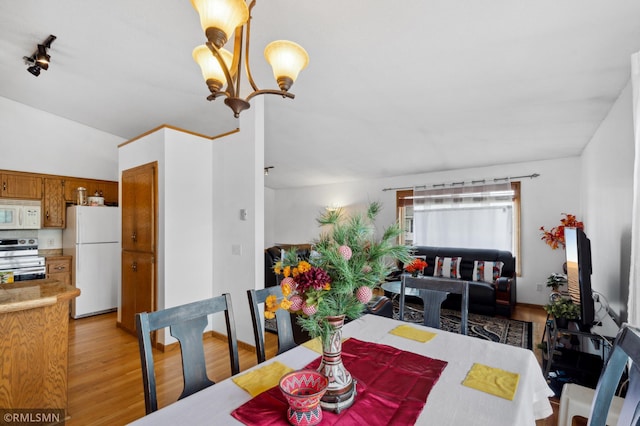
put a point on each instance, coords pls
(392, 385)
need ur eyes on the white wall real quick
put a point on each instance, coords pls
(607, 198)
(543, 200)
(238, 175)
(39, 142)
(187, 218)
(269, 220)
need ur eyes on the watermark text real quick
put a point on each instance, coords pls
(31, 416)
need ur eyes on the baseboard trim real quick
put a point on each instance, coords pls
(241, 344)
(530, 305)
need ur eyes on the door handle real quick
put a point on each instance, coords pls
(134, 266)
(134, 237)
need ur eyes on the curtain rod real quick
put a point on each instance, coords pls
(473, 182)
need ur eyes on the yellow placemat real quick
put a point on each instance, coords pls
(259, 380)
(315, 344)
(413, 333)
(492, 380)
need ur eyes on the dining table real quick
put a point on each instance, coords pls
(450, 401)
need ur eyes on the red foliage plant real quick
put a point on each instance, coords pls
(554, 237)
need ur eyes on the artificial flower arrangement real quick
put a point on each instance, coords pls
(346, 263)
(555, 236)
(416, 267)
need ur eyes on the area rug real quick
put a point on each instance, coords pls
(501, 330)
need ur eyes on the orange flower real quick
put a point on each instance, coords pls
(304, 266)
(286, 289)
(286, 271)
(417, 265)
(271, 301)
(285, 304)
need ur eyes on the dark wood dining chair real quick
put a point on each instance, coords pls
(186, 323)
(433, 291)
(626, 348)
(283, 321)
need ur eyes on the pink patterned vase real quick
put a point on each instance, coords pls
(303, 390)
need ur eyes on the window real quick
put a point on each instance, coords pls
(486, 216)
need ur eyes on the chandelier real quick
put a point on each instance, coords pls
(219, 20)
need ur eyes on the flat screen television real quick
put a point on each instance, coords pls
(578, 251)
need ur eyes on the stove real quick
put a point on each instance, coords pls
(19, 260)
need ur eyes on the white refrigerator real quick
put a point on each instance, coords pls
(92, 237)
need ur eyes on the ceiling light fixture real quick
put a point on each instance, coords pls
(219, 19)
(39, 60)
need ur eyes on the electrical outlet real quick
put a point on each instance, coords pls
(51, 242)
(539, 287)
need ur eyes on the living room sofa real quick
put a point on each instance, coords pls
(491, 294)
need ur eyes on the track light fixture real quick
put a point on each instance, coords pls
(222, 20)
(266, 170)
(39, 60)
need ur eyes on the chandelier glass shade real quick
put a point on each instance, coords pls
(211, 70)
(222, 19)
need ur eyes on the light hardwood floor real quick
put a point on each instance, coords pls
(105, 381)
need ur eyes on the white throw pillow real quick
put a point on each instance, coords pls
(447, 267)
(486, 271)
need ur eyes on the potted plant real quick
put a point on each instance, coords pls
(563, 310)
(556, 280)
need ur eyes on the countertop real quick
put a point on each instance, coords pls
(24, 295)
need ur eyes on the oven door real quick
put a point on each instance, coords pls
(8, 276)
(27, 274)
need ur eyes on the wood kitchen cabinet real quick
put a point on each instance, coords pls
(59, 268)
(139, 210)
(138, 287)
(70, 187)
(34, 319)
(108, 189)
(53, 203)
(139, 218)
(18, 185)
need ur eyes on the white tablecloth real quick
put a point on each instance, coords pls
(449, 403)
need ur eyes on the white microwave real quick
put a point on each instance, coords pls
(20, 215)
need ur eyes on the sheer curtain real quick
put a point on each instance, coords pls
(475, 216)
(633, 307)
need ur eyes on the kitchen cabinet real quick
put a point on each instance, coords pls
(17, 185)
(53, 203)
(139, 209)
(34, 319)
(138, 287)
(70, 187)
(139, 218)
(59, 268)
(108, 189)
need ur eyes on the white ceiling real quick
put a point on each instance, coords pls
(392, 88)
